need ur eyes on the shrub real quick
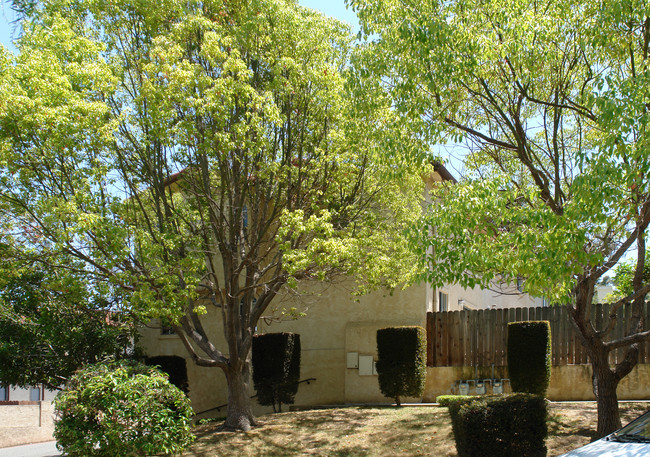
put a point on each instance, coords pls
(447, 400)
(504, 425)
(529, 356)
(401, 362)
(276, 368)
(121, 408)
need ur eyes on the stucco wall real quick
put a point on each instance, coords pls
(568, 383)
(26, 423)
(335, 324)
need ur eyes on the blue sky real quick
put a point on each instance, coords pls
(6, 28)
(334, 8)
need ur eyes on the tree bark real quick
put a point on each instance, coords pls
(604, 383)
(240, 412)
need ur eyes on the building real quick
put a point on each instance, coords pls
(338, 334)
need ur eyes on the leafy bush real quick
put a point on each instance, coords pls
(401, 362)
(121, 409)
(448, 400)
(504, 425)
(529, 356)
(276, 368)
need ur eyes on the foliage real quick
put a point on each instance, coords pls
(121, 409)
(623, 280)
(529, 356)
(449, 400)
(276, 368)
(508, 425)
(548, 104)
(401, 361)
(46, 334)
(198, 155)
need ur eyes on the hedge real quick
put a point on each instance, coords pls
(276, 368)
(529, 356)
(499, 425)
(401, 362)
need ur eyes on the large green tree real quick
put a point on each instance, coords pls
(194, 156)
(550, 102)
(47, 333)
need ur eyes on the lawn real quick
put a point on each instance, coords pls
(360, 431)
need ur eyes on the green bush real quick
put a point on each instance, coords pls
(276, 368)
(529, 356)
(401, 362)
(447, 400)
(501, 425)
(121, 409)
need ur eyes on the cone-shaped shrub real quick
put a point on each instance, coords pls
(276, 368)
(401, 362)
(529, 356)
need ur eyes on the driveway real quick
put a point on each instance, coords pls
(31, 450)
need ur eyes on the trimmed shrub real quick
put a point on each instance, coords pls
(276, 368)
(401, 362)
(121, 408)
(529, 356)
(501, 425)
(447, 400)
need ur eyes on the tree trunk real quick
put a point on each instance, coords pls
(240, 412)
(605, 382)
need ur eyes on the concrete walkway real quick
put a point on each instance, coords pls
(31, 450)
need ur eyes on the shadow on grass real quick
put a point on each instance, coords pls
(559, 425)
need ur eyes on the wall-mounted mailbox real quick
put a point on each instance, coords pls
(366, 363)
(352, 360)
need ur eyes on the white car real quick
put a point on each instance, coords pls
(633, 440)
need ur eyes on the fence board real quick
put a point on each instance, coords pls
(478, 338)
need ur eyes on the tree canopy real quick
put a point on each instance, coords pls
(550, 102)
(197, 155)
(46, 334)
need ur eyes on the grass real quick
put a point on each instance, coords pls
(361, 431)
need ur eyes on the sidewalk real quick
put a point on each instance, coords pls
(47, 449)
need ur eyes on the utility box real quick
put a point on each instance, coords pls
(352, 360)
(366, 363)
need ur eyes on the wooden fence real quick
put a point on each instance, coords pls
(478, 338)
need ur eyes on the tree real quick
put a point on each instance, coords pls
(623, 281)
(45, 336)
(195, 156)
(550, 100)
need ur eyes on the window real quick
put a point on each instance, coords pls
(35, 394)
(166, 328)
(520, 284)
(4, 393)
(443, 300)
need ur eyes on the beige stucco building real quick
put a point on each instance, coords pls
(338, 333)
(338, 338)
